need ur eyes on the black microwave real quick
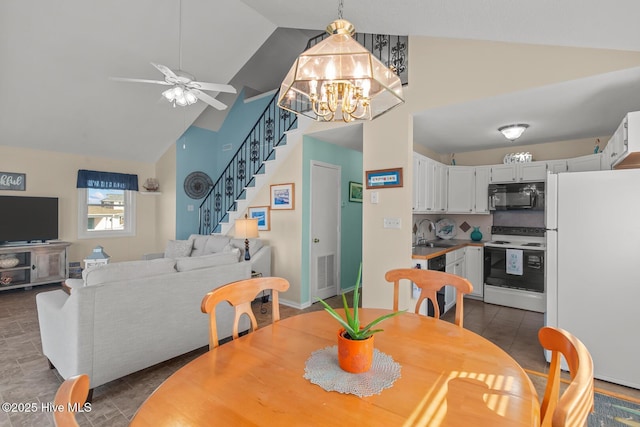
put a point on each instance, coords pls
(526, 195)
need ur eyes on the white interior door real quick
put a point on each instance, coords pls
(324, 264)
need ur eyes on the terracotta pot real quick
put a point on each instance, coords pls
(354, 356)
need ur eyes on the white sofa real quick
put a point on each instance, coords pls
(204, 244)
(124, 317)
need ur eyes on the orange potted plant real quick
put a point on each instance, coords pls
(355, 342)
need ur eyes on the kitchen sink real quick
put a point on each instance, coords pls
(437, 244)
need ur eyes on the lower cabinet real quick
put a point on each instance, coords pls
(455, 265)
(474, 264)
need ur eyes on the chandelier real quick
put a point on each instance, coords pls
(339, 79)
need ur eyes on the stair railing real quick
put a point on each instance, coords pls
(259, 146)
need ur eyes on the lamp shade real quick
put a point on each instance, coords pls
(339, 79)
(246, 228)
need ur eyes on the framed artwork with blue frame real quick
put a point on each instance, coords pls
(261, 213)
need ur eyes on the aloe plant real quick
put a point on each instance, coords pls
(352, 322)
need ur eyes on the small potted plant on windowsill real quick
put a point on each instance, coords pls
(355, 342)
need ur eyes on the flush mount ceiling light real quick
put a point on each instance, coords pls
(339, 79)
(513, 132)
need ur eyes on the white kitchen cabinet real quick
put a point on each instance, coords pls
(482, 189)
(474, 266)
(503, 173)
(590, 162)
(461, 189)
(440, 189)
(455, 265)
(557, 166)
(519, 172)
(419, 183)
(616, 147)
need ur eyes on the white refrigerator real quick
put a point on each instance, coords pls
(593, 266)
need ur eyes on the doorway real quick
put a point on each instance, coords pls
(324, 234)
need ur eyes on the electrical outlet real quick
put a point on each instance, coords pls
(190, 208)
(392, 223)
(415, 291)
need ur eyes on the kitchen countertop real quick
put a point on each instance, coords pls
(425, 252)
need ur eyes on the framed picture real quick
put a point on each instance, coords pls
(261, 213)
(13, 181)
(384, 178)
(355, 192)
(282, 196)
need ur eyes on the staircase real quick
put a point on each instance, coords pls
(270, 141)
(264, 148)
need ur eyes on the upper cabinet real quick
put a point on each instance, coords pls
(590, 162)
(519, 172)
(461, 194)
(482, 189)
(429, 185)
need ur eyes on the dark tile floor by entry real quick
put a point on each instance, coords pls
(26, 378)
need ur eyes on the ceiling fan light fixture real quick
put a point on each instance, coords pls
(513, 132)
(338, 79)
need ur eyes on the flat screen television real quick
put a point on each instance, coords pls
(28, 219)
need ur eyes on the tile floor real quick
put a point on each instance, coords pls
(25, 376)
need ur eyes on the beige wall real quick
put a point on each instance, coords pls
(166, 204)
(54, 174)
(443, 72)
(285, 236)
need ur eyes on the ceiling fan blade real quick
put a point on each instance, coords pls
(124, 79)
(165, 70)
(209, 99)
(213, 86)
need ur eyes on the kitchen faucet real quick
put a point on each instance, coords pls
(433, 227)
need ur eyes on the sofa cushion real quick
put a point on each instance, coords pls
(206, 261)
(215, 244)
(254, 246)
(128, 270)
(178, 248)
(205, 243)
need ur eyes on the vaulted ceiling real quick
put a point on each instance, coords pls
(56, 57)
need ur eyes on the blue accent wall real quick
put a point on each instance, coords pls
(202, 150)
(350, 162)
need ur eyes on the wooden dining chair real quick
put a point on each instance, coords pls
(576, 403)
(71, 394)
(240, 294)
(430, 282)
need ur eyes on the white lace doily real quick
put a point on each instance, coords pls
(322, 368)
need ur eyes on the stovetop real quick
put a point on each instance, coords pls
(530, 238)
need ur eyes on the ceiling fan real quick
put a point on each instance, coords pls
(184, 90)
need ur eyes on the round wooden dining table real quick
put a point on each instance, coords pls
(449, 376)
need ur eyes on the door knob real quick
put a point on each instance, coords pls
(316, 240)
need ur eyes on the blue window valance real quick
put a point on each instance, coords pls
(96, 179)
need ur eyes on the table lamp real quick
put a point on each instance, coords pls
(245, 229)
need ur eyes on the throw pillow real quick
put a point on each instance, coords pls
(178, 248)
(254, 245)
(215, 244)
(230, 248)
(206, 261)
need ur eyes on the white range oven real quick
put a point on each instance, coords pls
(514, 268)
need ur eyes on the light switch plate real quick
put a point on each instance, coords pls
(392, 223)
(374, 197)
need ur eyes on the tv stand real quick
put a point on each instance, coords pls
(38, 264)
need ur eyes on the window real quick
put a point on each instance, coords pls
(105, 212)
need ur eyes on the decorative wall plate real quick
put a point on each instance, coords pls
(197, 184)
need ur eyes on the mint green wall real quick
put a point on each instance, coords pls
(351, 215)
(202, 150)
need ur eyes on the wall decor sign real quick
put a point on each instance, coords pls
(355, 192)
(282, 196)
(384, 178)
(261, 213)
(13, 181)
